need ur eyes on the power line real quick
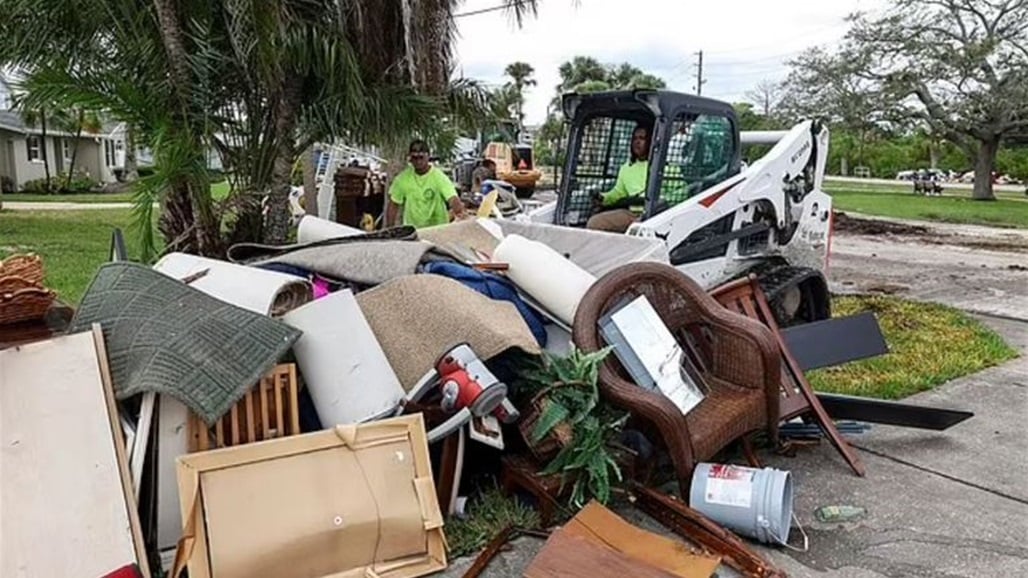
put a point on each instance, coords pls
(496, 8)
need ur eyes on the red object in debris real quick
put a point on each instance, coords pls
(130, 571)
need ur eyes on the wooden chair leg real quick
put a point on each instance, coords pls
(750, 453)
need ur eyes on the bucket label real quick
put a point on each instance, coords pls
(729, 486)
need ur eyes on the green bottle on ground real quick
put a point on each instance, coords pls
(830, 514)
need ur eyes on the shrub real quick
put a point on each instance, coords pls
(39, 186)
(6, 184)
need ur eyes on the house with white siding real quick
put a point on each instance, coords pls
(23, 146)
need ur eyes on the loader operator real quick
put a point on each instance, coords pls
(629, 189)
(423, 192)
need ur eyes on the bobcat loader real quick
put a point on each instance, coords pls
(719, 220)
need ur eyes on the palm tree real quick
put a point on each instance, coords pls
(520, 74)
(258, 82)
(75, 121)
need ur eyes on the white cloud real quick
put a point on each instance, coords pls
(744, 41)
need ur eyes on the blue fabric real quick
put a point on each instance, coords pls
(494, 287)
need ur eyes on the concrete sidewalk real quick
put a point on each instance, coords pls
(61, 206)
(948, 504)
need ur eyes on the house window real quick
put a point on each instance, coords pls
(66, 150)
(109, 153)
(34, 150)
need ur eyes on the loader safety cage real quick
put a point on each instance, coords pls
(694, 145)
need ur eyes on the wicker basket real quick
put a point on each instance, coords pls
(23, 300)
(26, 266)
(547, 448)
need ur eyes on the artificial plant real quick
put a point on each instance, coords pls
(566, 392)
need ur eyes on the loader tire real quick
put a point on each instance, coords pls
(796, 294)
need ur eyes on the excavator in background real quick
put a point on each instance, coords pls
(514, 165)
(720, 220)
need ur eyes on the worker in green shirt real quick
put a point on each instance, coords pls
(422, 193)
(629, 189)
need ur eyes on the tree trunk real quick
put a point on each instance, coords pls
(131, 170)
(983, 167)
(42, 150)
(171, 37)
(933, 154)
(844, 166)
(278, 216)
(310, 187)
(193, 190)
(74, 150)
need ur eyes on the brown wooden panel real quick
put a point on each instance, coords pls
(567, 556)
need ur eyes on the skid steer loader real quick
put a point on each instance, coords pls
(719, 220)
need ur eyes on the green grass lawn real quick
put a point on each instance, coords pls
(907, 188)
(218, 191)
(1003, 212)
(72, 243)
(82, 198)
(929, 344)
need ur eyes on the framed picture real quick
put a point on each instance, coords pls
(650, 353)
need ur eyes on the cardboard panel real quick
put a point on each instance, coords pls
(315, 505)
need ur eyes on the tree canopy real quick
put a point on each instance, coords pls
(957, 69)
(253, 81)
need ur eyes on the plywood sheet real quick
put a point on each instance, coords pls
(568, 556)
(63, 505)
(599, 525)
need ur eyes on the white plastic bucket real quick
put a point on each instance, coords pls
(751, 502)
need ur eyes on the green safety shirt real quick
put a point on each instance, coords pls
(631, 182)
(424, 198)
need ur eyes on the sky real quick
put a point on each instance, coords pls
(743, 41)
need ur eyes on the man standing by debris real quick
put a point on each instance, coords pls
(422, 192)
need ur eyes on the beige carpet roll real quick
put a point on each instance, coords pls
(417, 318)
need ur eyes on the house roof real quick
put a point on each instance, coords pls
(11, 120)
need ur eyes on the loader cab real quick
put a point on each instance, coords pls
(694, 145)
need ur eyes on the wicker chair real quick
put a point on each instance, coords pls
(736, 357)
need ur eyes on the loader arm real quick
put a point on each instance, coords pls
(775, 208)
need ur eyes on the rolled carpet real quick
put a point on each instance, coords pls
(417, 318)
(257, 290)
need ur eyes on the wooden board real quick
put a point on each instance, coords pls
(270, 410)
(568, 556)
(64, 482)
(601, 526)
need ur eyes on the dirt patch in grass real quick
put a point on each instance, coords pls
(848, 224)
(929, 344)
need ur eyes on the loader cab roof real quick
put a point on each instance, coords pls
(694, 145)
(655, 102)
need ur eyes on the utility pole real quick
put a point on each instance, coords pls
(699, 74)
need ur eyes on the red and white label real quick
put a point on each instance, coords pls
(729, 486)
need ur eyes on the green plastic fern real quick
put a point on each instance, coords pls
(569, 394)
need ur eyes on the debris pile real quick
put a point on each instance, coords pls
(323, 408)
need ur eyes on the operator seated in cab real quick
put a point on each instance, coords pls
(622, 205)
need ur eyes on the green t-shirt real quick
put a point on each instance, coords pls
(631, 182)
(423, 197)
